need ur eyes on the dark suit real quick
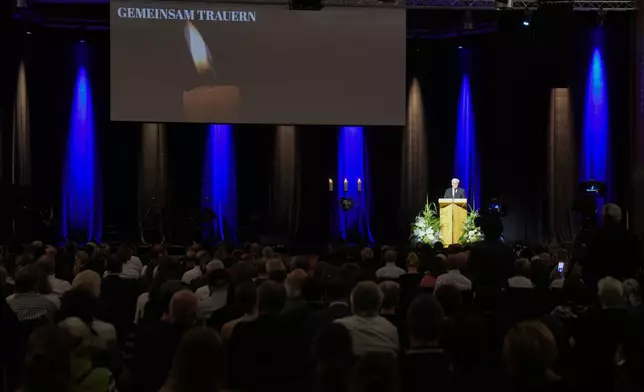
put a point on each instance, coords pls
(459, 194)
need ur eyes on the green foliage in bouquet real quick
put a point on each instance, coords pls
(427, 226)
(471, 233)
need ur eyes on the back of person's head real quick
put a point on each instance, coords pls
(611, 292)
(260, 266)
(276, 270)
(24, 260)
(522, 267)
(390, 294)
(81, 261)
(114, 264)
(81, 335)
(413, 261)
(390, 256)
(46, 264)
(246, 297)
(425, 319)
(26, 280)
(450, 298)
(166, 292)
(48, 361)
(336, 289)
(271, 297)
(376, 372)
(294, 282)
(529, 351)
(612, 214)
(89, 280)
(366, 299)
(183, 308)
(44, 286)
(78, 302)
(366, 255)
(199, 363)
(268, 252)
(454, 261)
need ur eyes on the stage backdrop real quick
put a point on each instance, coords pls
(198, 62)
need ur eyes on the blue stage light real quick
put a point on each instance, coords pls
(352, 165)
(82, 212)
(466, 166)
(596, 139)
(219, 192)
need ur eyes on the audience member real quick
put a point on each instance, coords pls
(390, 270)
(86, 376)
(89, 280)
(529, 353)
(214, 295)
(48, 362)
(80, 303)
(369, 331)
(256, 348)
(27, 303)
(156, 343)
(246, 299)
(425, 360)
(199, 363)
(47, 265)
(521, 278)
(454, 277)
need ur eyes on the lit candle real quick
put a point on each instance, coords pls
(330, 185)
(208, 103)
(346, 185)
(359, 185)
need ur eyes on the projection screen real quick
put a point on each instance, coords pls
(241, 63)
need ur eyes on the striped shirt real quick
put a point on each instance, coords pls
(31, 306)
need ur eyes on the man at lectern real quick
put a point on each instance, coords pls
(455, 192)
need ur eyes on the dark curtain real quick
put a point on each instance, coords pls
(562, 163)
(285, 203)
(414, 170)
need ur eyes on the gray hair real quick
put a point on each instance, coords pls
(456, 180)
(612, 212)
(366, 299)
(611, 292)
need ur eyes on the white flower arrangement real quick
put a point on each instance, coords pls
(471, 233)
(426, 227)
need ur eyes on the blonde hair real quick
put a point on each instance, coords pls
(88, 280)
(412, 260)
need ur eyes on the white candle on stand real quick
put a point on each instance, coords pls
(330, 185)
(359, 185)
(346, 185)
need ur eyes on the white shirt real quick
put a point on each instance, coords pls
(132, 268)
(454, 278)
(390, 271)
(520, 282)
(191, 275)
(58, 286)
(371, 334)
(141, 301)
(208, 303)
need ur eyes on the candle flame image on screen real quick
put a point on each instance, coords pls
(198, 49)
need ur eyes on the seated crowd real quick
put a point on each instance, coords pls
(484, 317)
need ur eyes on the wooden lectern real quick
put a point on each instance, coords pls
(453, 213)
